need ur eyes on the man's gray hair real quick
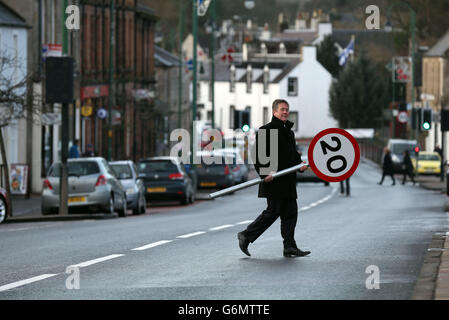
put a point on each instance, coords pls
(277, 102)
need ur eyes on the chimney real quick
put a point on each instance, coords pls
(308, 53)
(282, 49)
(300, 22)
(263, 48)
(245, 52)
(314, 21)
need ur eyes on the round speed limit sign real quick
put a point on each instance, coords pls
(334, 155)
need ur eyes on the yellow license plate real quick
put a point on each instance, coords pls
(77, 199)
(156, 189)
(208, 184)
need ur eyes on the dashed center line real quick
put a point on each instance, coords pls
(26, 281)
(145, 247)
(221, 227)
(91, 262)
(152, 245)
(191, 234)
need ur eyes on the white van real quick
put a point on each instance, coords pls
(397, 148)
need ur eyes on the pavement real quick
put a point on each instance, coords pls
(432, 284)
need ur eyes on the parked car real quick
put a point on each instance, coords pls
(212, 174)
(165, 178)
(126, 172)
(4, 205)
(92, 185)
(428, 163)
(240, 169)
(397, 148)
(308, 175)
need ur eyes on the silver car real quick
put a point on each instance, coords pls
(126, 172)
(92, 185)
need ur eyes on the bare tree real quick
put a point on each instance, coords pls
(13, 97)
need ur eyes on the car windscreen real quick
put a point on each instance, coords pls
(429, 157)
(401, 147)
(78, 168)
(157, 166)
(122, 170)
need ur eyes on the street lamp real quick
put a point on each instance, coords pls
(388, 28)
(249, 4)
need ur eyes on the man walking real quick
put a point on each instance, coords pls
(281, 192)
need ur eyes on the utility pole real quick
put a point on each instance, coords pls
(181, 36)
(63, 177)
(194, 82)
(111, 75)
(213, 18)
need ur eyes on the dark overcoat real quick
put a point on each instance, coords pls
(388, 164)
(283, 187)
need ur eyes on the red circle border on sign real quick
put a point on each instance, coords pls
(356, 158)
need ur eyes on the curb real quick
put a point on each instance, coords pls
(70, 217)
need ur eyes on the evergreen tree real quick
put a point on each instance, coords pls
(360, 94)
(327, 55)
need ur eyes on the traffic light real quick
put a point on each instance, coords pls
(242, 120)
(416, 118)
(416, 149)
(426, 119)
(245, 121)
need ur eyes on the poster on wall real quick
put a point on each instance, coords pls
(19, 179)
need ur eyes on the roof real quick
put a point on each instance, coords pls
(10, 18)
(363, 37)
(165, 58)
(440, 47)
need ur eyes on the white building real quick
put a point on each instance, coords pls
(13, 46)
(254, 84)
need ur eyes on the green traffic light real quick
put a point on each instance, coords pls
(426, 126)
(245, 128)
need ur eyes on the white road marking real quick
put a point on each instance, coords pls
(152, 245)
(91, 262)
(191, 234)
(26, 281)
(221, 227)
(245, 222)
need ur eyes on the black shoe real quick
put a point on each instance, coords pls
(379, 183)
(243, 243)
(289, 252)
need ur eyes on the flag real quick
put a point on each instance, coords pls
(346, 52)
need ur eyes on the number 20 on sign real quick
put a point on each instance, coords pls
(334, 155)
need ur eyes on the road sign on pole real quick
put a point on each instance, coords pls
(202, 7)
(334, 155)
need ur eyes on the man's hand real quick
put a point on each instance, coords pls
(269, 177)
(302, 169)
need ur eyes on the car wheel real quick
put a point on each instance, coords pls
(143, 208)
(111, 206)
(185, 200)
(3, 210)
(122, 211)
(46, 212)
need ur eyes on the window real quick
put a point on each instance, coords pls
(232, 79)
(292, 86)
(293, 117)
(249, 79)
(231, 117)
(265, 115)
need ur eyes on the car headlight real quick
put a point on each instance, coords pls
(395, 158)
(130, 191)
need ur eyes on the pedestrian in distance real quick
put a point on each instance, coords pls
(74, 150)
(407, 168)
(342, 187)
(89, 151)
(281, 192)
(387, 167)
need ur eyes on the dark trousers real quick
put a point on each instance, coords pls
(287, 209)
(342, 187)
(387, 174)
(410, 173)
